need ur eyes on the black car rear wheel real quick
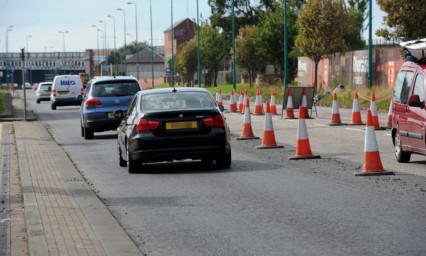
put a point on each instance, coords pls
(131, 164)
(121, 161)
(401, 155)
(224, 161)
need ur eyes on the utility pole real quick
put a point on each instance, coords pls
(370, 46)
(23, 82)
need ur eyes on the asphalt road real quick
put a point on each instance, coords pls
(264, 204)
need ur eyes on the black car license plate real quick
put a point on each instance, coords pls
(181, 125)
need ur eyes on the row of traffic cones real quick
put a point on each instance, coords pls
(335, 116)
(372, 163)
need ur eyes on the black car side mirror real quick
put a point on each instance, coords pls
(414, 101)
(222, 108)
(119, 114)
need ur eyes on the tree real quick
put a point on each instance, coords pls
(246, 12)
(407, 18)
(247, 51)
(213, 51)
(357, 16)
(322, 26)
(271, 36)
(186, 61)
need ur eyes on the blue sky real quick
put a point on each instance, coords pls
(42, 19)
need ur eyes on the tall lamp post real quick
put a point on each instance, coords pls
(198, 48)
(125, 60)
(63, 40)
(97, 44)
(9, 28)
(152, 45)
(105, 43)
(115, 49)
(28, 56)
(172, 39)
(234, 76)
(137, 46)
(44, 61)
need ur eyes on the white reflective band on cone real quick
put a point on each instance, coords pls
(370, 142)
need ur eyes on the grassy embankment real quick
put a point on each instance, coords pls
(345, 98)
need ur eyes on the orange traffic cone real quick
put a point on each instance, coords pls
(258, 104)
(335, 114)
(305, 104)
(372, 162)
(289, 109)
(303, 148)
(241, 102)
(389, 121)
(247, 132)
(268, 140)
(219, 97)
(273, 106)
(356, 114)
(373, 109)
(245, 99)
(232, 103)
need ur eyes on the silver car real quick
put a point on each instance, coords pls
(43, 91)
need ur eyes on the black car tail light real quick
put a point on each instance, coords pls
(209, 121)
(145, 125)
(93, 102)
(217, 121)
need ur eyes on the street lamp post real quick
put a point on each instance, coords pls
(105, 44)
(28, 56)
(234, 76)
(137, 46)
(172, 37)
(152, 45)
(97, 44)
(44, 61)
(63, 39)
(9, 28)
(115, 49)
(125, 60)
(198, 48)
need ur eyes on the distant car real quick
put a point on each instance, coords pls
(103, 96)
(173, 124)
(409, 111)
(43, 91)
(27, 85)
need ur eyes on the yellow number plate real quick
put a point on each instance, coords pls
(62, 93)
(111, 115)
(181, 125)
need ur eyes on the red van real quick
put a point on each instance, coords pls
(409, 111)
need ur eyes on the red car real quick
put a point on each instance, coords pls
(408, 111)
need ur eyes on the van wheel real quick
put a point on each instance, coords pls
(53, 106)
(400, 154)
(38, 101)
(88, 133)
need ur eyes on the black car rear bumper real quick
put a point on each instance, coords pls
(152, 149)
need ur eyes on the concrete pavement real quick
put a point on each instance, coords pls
(62, 213)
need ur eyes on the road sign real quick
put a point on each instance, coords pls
(167, 72)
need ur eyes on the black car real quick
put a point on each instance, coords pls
(173, 124)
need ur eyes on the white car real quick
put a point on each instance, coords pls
(27, 85)
(43, 91)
